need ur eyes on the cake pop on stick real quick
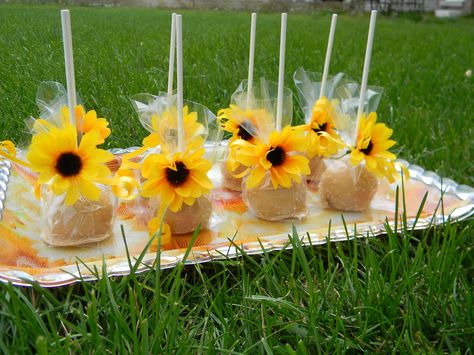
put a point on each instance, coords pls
(176, 175)
(74, 182)
(352, 186)
(273, 188)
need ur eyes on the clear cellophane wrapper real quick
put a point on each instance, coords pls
(263, 96)
(317, 167)
(51, 99)
(346, 96)
(158, 115)
(343, 93)
(345, 187)
(265, 201)
(231, 179)
(262, 101)
(281, 203)
(83, 222)
(308, 85)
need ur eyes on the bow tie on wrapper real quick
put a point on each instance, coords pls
(74, 182)
(176, 183)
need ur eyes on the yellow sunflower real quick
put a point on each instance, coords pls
(165, 128)
(322, 137)
(242, 124)
(178, 178)
(88, 120)
(279, 157)
(154, 226)
(69, 169)
(372, 147)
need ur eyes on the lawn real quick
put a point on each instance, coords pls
(408, 292)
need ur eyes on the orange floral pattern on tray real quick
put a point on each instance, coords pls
(25, 257)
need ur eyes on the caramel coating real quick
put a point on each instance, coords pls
(347, 188)
(317, 167)
(229, 181)
(277, 204)
(188, 218)
(83, 222)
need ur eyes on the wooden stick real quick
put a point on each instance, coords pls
(253, 26)
(172, 53)
(365, 74)
(327, 62)
(69, 65)
(281, 72)
(179, 62)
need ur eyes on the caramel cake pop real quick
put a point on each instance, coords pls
(275, 187)
(83, 222)
(188, 218)
(76, 206)
(241, 119)
(352, 184)
(281, 203)
(352, 187)
(346, 188)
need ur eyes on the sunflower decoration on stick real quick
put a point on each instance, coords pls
(351, 184)
(176, 164)
(274, 187)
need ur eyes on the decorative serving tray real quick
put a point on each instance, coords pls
(26, 258)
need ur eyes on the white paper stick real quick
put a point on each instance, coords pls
(365, 74)
(281, 72)
(172, 53)
(327, 62)
(69, 65)
(253, 26)
(179, 84)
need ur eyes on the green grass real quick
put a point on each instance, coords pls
(408, 292)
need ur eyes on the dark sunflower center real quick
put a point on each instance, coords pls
(367, 150)
(178, 176)
(276, 156)
(322, 128)
(68, 164)
(244, 134)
